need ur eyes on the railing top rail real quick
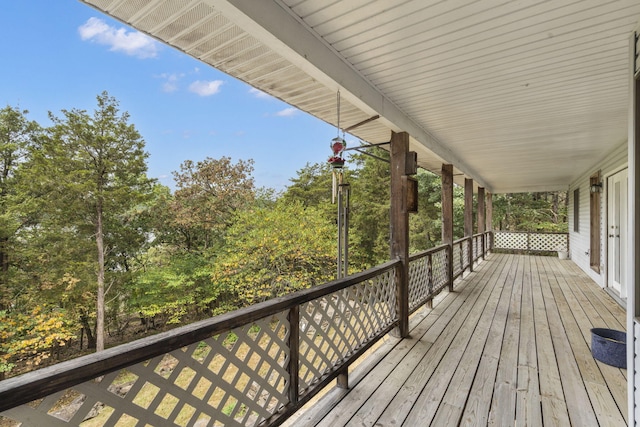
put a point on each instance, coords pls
(37, 384)
(462, 239)
(425, 253)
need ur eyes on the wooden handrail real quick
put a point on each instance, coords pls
(43, 382)
(62, 376)
(428, 252)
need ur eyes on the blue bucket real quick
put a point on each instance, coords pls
(609, 346)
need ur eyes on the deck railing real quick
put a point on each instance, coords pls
(428, 269)
(427, 275)
(531, 241)
(254, 366)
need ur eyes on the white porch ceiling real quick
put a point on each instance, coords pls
(518, 95)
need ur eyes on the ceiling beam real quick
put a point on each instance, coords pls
(273, 24)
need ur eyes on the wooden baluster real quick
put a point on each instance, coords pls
(294, 353)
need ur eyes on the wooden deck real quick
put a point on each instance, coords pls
(511, 346)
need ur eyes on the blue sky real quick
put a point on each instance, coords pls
(60, 54)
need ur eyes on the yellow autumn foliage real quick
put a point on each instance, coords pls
(31, 337)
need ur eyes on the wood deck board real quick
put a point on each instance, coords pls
(478, 405)
(476, 325)
(409, 353)
(415, 376)
(528, 409)
(612, 315)
(455, 399)
(575, 393)
(552, 403)
(511, 346)
(503, 404)
(578, 325)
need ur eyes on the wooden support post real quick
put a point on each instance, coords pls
(481, 217)
(343, 378)
(489, 219)
(294, 353)
(400, 225)
(468, 219)
(447, 218)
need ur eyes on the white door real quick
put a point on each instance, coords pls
(617, 231)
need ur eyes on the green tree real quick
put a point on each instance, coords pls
(272, 252)
(208, 194)
(91, 173)
(530, 211)
(313, 187)
(17, 135)
(370, 204)
(173, 286)
(425, 226)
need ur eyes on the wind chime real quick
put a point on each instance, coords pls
(340, 192)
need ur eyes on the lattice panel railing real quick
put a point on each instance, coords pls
(219, 373)
(548, 242)
(427, 276)
(466, 255)
(420, 282)
(232, 370)
(477, 246)
(238, 378)
(335, 326)
(506, 240)
(488, 239)
(439, 263)
(527, 241)
(459, 255)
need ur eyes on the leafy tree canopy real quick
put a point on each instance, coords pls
(272, 252)
(208, 194)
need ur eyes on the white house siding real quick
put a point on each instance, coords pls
(579, 242)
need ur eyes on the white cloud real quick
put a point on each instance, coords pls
(169, 86)
(132, 43)
(170, 81)
(206, 88)
(258, 93)
(287, 112)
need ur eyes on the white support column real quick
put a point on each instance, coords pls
(633, 245)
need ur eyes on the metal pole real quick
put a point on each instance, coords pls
(340, 201)
(345, 190)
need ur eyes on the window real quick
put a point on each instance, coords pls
(576, 210)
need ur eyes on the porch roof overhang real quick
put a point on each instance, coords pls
(518, 96)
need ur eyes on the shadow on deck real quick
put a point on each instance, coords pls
(511, 343)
